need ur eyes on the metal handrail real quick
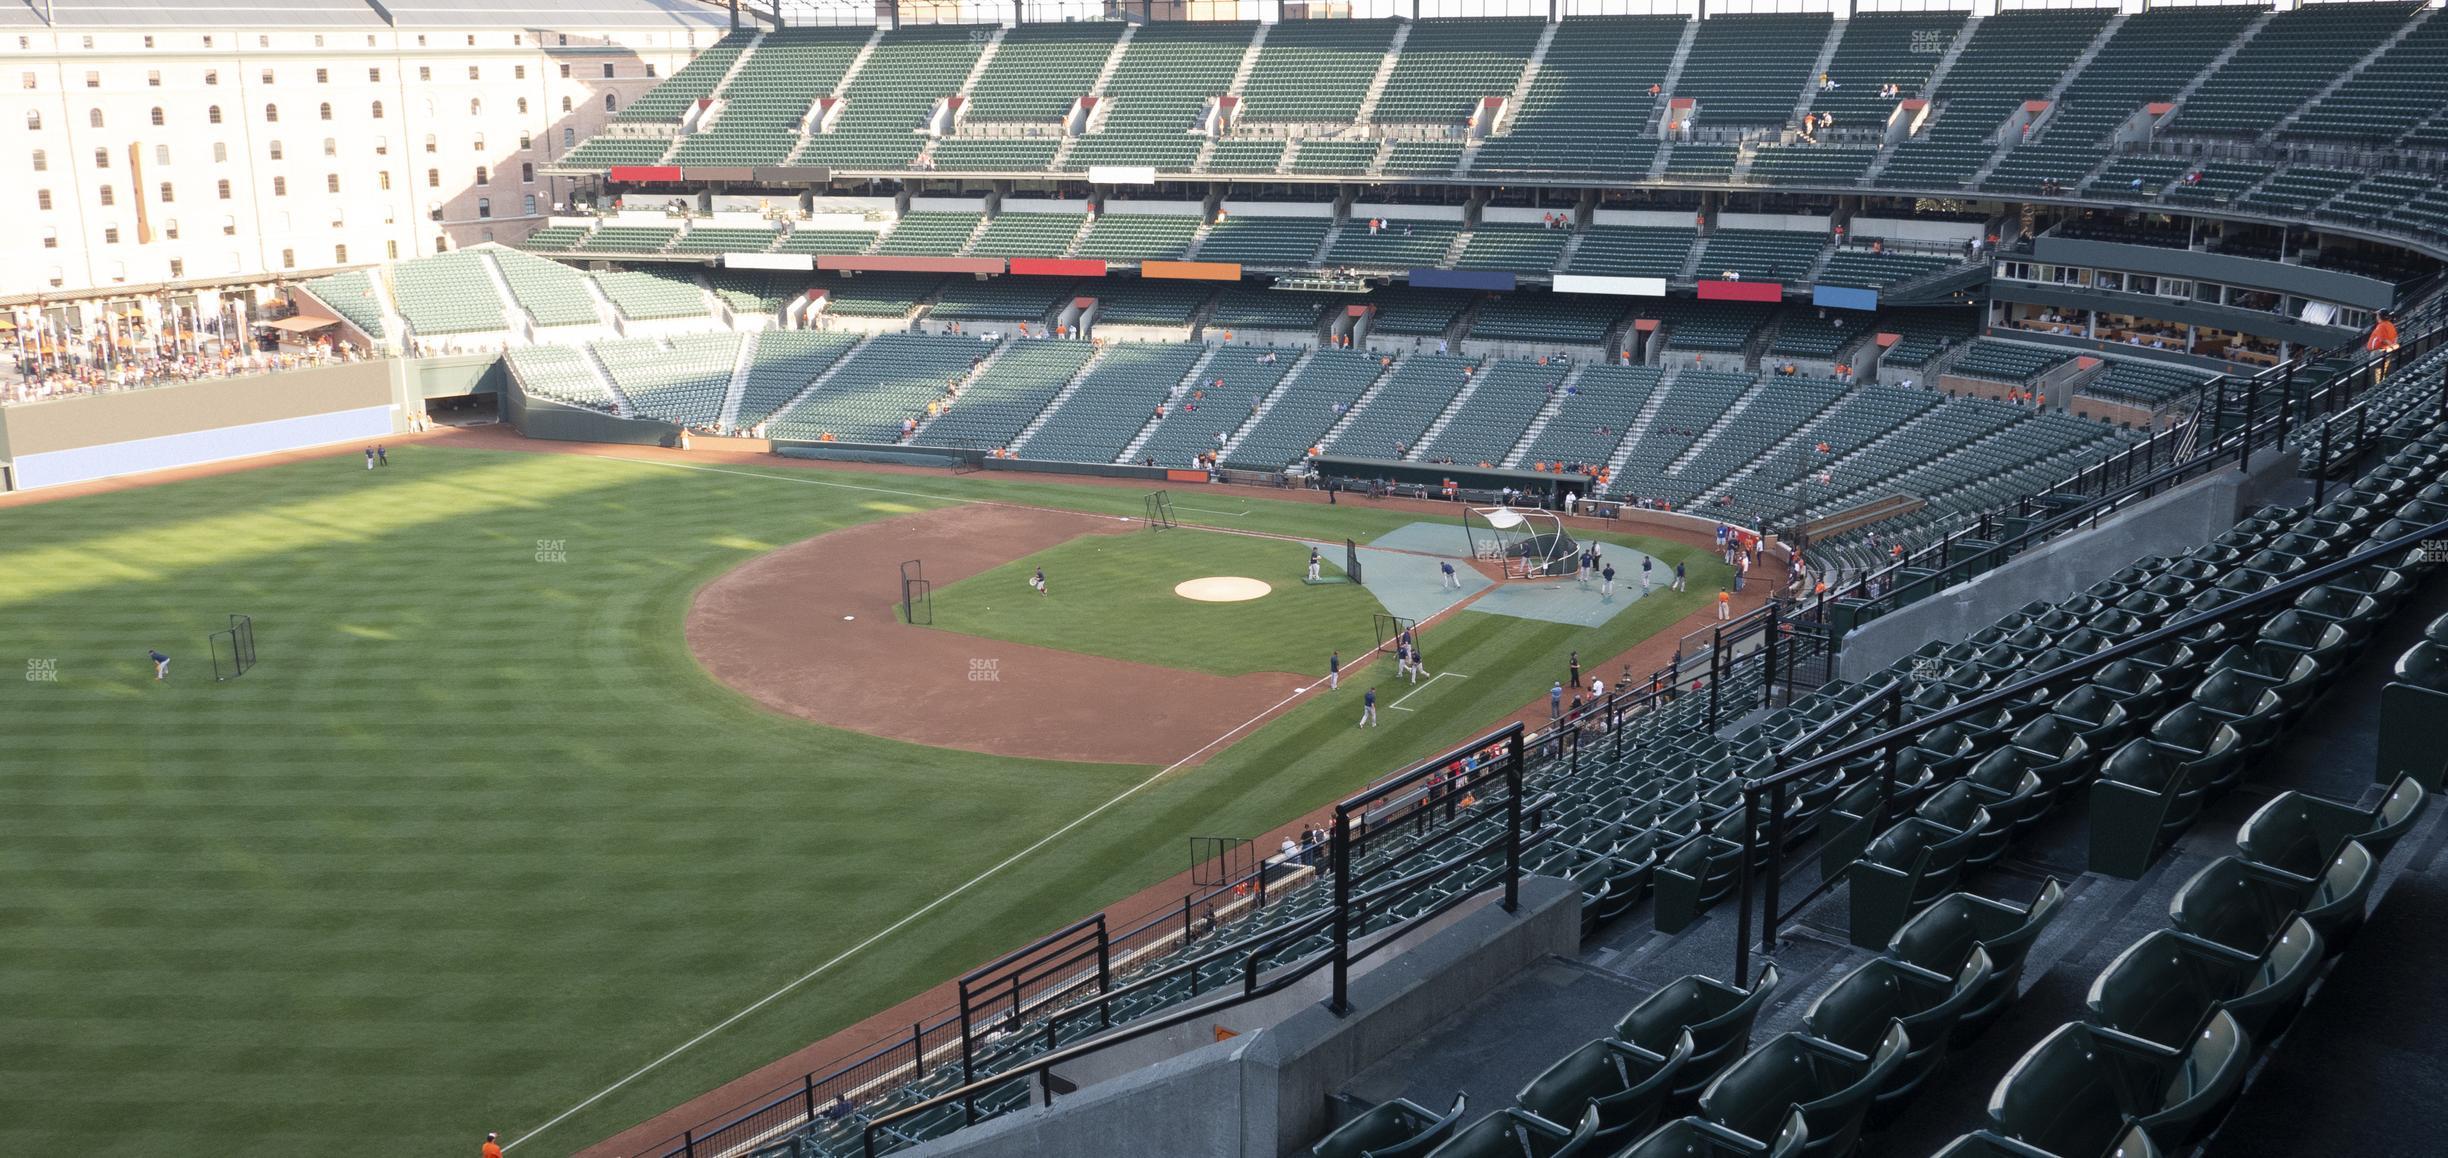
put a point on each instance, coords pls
(1887, 740)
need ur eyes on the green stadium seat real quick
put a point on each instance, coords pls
(352, 296)
(650, 293)
(2246, 906)
(1909, 865)
(2165, 987)
(1942, 937)
(2300, 834)
(1832, 1087)
(1863, 1006)
(1717, 1018)
(1315, 71)
(1512, 1133)
(1586, 112)
(2082, 1087)
(1701, 1138)
(1626, 1086)
(670, 100)
(1396, 1129)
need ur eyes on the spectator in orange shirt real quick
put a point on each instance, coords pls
(2383, 340)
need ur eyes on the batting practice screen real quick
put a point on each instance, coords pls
(233, 649)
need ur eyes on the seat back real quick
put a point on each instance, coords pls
(2338, 898)
(1701, 1138)
(2201, 1087)
(2276, 987)
(2057, 1099)
(1716, 1016)
(2164, 986)
(1397, 1129)
(2237, 904)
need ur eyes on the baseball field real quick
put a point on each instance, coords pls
(569, 787)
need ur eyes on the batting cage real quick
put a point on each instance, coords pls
(233, 649)
(917, 595)
(1160, 511)
(1525, 544)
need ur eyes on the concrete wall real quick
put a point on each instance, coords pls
(2168, 524)
(1265, 1093)
(98, 419)
(543, 418)
(105, 435)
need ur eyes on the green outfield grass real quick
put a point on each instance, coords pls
(1112, 595)
(478, 838)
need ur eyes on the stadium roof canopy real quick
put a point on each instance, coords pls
(322, 14)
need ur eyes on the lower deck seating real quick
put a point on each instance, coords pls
(1113, 404)
(1317, 397)
(1598, 409)
(1390, 425)
(683, 381)
(1221, 398)
(559, 372)
(891, 378)
(783, 363)
(996, 403)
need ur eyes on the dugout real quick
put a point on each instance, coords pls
(1477, 483)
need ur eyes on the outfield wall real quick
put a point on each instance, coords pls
(95, 436)
(544, 418)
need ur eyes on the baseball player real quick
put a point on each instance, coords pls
(1368, 709)
(161, 664)
(1313, 565)
(1038, 581)
(1607, 573)
(1334, 671)
(1451, 579)
(1645, 561)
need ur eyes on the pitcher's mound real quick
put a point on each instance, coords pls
(1221, 589)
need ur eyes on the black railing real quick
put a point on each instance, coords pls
(1421, 790)
(1774, 788)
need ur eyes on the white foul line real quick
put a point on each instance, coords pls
(1397, 706)
(896, 926)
